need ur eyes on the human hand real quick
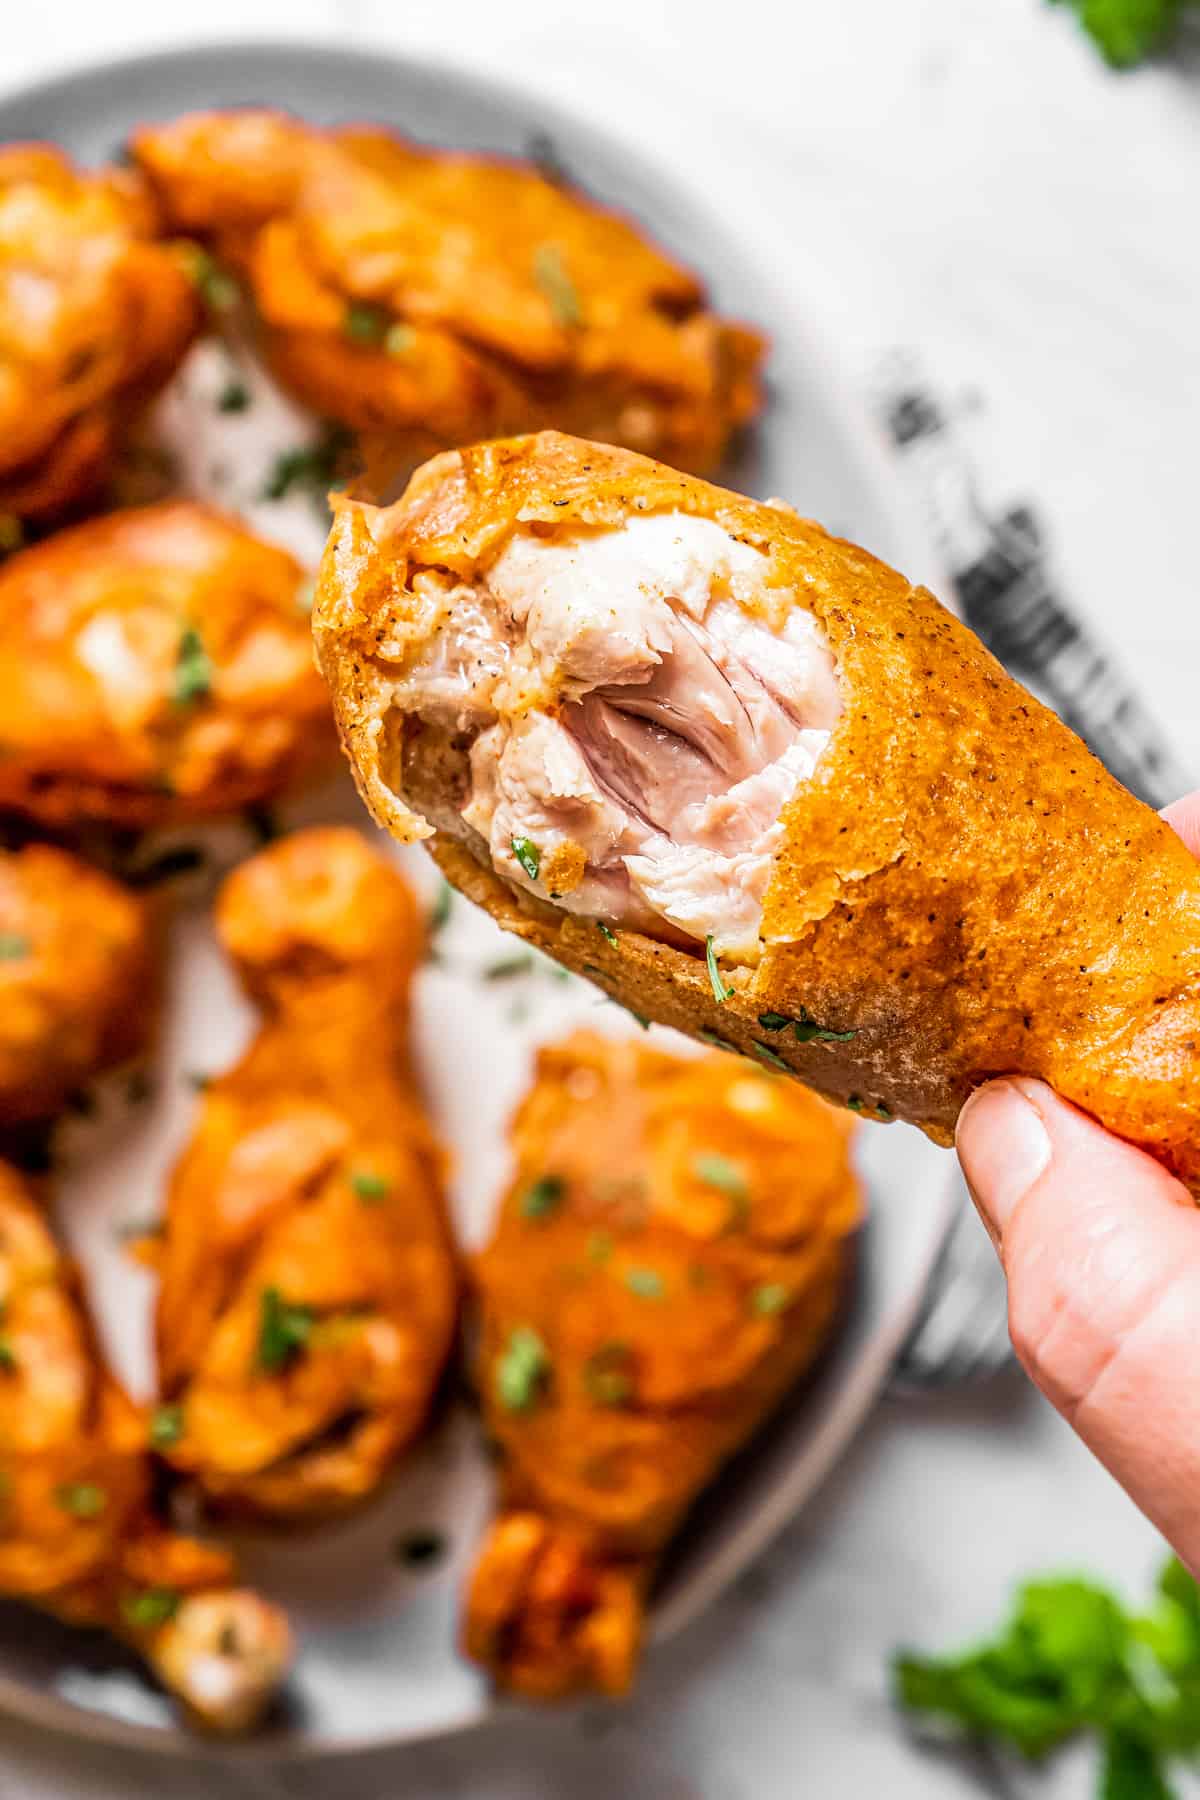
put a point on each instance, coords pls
(1101, 1249)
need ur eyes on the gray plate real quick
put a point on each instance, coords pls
(377, 1663)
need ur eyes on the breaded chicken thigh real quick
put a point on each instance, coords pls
(155, 667)
(79, 1536)
(95, 314)
(430, 298)
(669, 1258)
(309, 1290)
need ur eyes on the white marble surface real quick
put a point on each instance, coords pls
(964, 177)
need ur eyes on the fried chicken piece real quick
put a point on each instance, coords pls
(78, 978)
(431, 298)
(814, 816)
(79, 1536)
(308, 1297)
(156, 667)
(95, 315)
(669, 1258)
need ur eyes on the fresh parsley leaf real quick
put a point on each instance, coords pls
(234, 397)
(166, 1426)
(1127, 31)
(365, 324)
(773, 1021)
(314, 467)
(193, 669)
(369, 1187)
(82, 1499)
(543, 1197)
(13, 946)
(506, 967)
(215, 285)
(522, 1369)
(150, 1608)
(721, 992)
(1132, 1771)
(283, 1331)
(807, 1031)
(550, 273)
(606, 931)
(765, 1054)
(528, 855)
(720, 1173)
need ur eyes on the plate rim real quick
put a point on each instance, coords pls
(817, 344)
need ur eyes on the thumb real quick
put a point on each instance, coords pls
(1101, 1248)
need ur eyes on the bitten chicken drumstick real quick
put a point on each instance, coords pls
(669, 1258)
(78, 1534)
(433, 298)
(95, 314)
(762, 788)
(156, 667)
(308, 1297)
(78, 978)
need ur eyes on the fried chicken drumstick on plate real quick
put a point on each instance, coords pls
(95, 315)
(78, 1534)
(156, 667)
(669, 1258)
(436, 297)
(308, 1286)
(760, 788)
(78, 978)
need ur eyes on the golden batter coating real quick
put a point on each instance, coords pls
(960, 890)
(156, 668)
(78, 978)
(432, 298)
(95, 315)
(309, 1291)
(668, 1260)
(78, 1533)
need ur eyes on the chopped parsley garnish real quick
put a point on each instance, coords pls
(420, 1549)
(718, 1172)
(804, 1029)
(528, 855)
(765, 1053)
(1126, 31)
(166, 1426)
(599, 1247)
(283, 1331)
(606, 931)
(314, 467)
(647, 1284)
(855, 1103)
(439, 912)
(721, 991)
(365, 324)
(82, 1499)
(506, 967)
(193, 669)
(522, 1369)
(608, 1376)
(550, 273)
(370, 1188)
(8, 1357)
(234, 397)
(770, 1297)
(543, 1197)
(215, 285)
(641, 1018)
(713, 1037)
(13, 947)
(399, 339)
(150, 1608)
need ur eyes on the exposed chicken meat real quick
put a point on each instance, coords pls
(637, 729)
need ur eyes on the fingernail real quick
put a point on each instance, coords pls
(1003, 1147)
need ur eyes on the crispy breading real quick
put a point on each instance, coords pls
(80, 1537)
(668, 1259)
(963, 891)
(309, 1290)
(429, 298)
(95, 315)
(156, 667)
(78, 978)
